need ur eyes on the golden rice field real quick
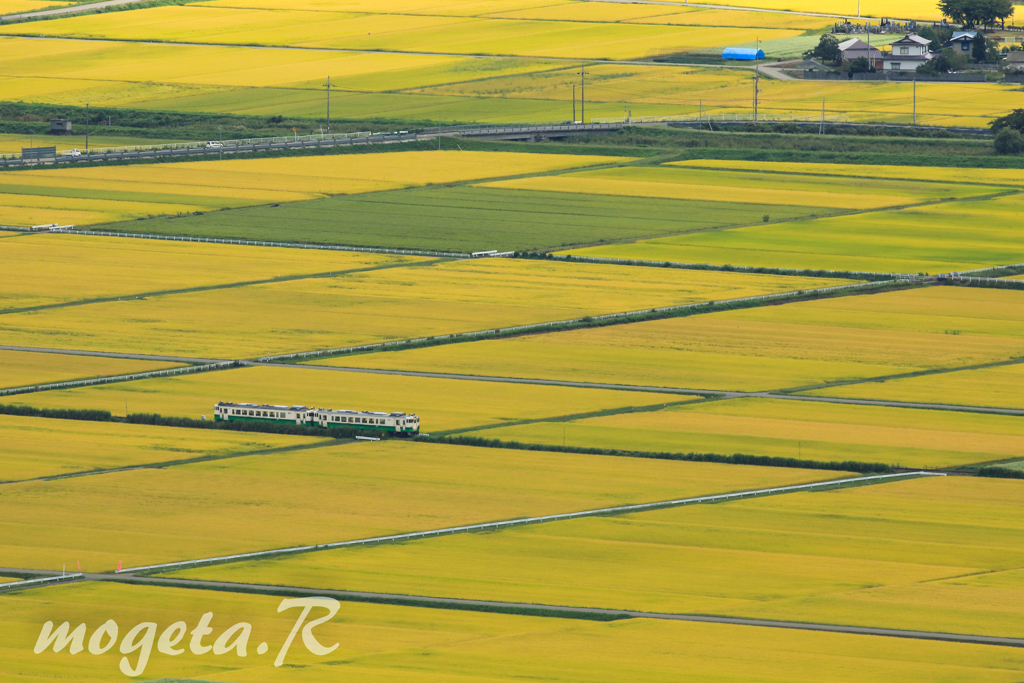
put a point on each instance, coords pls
(441, 404)
(375, 306)
(997, 387)
(323, 495)
(268, 82)
(792, 429)
(13, 6)
(23, 368)
(911, 9)
(39, 447)
(974, 176)
(52, 269)
(897, 555)
(928, 239)
(404, 644)
(745, 187)
(779, 347)
(399, 32)
(37, 196)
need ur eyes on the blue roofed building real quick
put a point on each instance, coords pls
(747, 54)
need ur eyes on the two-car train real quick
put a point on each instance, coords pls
(399, 423)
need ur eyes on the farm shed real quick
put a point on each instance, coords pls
(744, 53)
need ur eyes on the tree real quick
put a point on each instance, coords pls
(937, 34)
(827, 50)
(1014, 121)
(979, 48)
(1009, 141)
(971, 13)
(861, 65)
(946, 61)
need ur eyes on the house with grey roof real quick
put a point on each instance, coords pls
(908, 53)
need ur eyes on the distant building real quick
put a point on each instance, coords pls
(908, 53)
(962, 41)
(60, 126)
(1013, 62)
(855, 48)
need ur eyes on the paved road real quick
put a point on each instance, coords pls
(570, 612)
(737, 8)
(662, 390)
(73, 9)
(106, 354)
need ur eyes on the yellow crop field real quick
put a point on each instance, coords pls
(921, 239)
(894, 555)
(727, 17)
(39, 447)
(188, 186)
(912, 9)
(368, 307)
(453, 8)
(799, 344)
(997, 387)
(974, 176)
(792, 429)
(53, 268)
(388, 642)
(14, 6)
(747, 188)
(400, 32)
(23, 368)
(359, 490)
(441, 404)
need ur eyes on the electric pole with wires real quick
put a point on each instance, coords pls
(757, 77)
(583, 93)
(328, 86)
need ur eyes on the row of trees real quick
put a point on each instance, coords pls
(974, 13)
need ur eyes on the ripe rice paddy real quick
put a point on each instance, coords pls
(896, 555)
(441, 404)
(399, 32)
(368, 307)
(791, 429)
(997, 387)
(48, 269)
(186, 187)
(40, 447)
(744, 187)
(778, 347)
(388, 642)
(936, 238)
(23, 368)
(322, 495)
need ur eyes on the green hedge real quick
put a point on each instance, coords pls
(58, 413)
(736, 459)
(1000, 472)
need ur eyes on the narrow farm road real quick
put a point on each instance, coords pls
(59, 11)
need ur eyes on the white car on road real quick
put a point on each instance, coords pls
(72, 153)
(214, 145)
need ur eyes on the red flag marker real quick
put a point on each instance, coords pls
(119, 565)
(79, 565)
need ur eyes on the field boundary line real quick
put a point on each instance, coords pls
(112, 354)
(765, 270)
(509, 523)
(544, 610)
(624, 317)
(260, 243)
(40, 581)
(221, 365)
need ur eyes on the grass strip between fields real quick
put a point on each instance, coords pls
(225, 285)
(680, 311)
(828, 485)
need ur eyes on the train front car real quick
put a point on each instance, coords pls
(399, 423)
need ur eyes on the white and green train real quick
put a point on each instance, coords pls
(400, 423)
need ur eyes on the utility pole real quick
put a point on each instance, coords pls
(583, 93)
(328, 86)
(87, 128)
(574, 103)
(915, 99)
(757, 76)
(821, 128)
